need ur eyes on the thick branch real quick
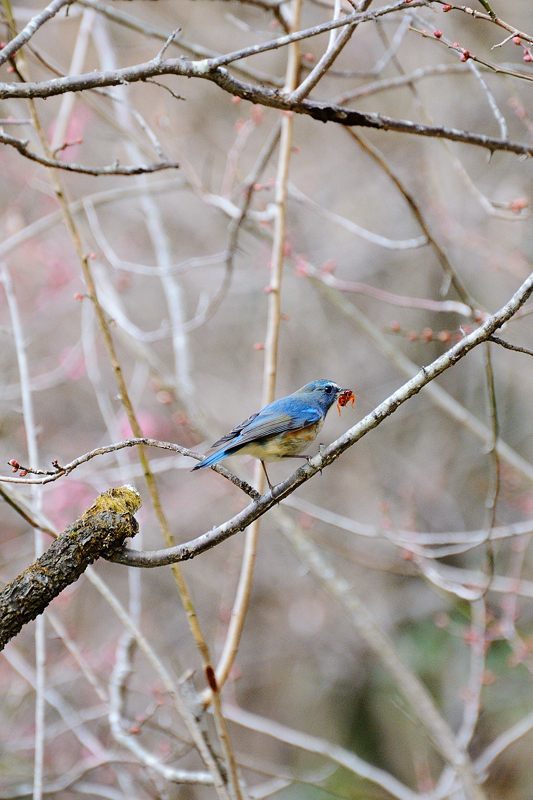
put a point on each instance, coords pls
(208, 70)
(257, 508)
(102, 529)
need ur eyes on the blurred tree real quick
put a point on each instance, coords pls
(376, 640)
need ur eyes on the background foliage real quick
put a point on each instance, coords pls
(184, 292)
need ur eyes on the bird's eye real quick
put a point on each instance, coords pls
(328, 389)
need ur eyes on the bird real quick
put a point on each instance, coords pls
(282, 429)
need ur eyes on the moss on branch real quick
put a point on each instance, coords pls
(103, 528)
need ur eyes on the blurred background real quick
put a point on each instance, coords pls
(363, 302)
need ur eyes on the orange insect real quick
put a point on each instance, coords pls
(345, 397)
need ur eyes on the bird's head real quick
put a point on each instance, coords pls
(322, 391)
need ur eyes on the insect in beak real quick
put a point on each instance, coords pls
(345, 397)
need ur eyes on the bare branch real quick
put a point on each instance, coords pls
(61, 470)
(31, 28)
(130, 22)
(348, 224)
(70, 166)
(489, 18)
(208, 70)
(333, 50)
(465, 54)
(356, 287)
(500, 119)
(510, 346)
(397, 81)
(129, 740)
(503, 741)
(313, 744)
(329, 454)
(307, 33)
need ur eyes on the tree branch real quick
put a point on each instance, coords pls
(32, 27)
(490, 18)
(58, 470)
(209, 69)
(103, 528)
(509, 346)
(257, 508)
(113, 169)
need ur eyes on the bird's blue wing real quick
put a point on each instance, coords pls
(286, 414)
(278, 417)
(234, 432)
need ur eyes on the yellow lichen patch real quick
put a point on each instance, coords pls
(120, 500)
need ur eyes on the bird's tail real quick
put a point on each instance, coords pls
(208, 461)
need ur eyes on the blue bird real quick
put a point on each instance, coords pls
(282, 429)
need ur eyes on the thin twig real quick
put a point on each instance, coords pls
(467, 55)
(188, 715)
(313, 744)
(384, 85)
(333, 50)
(356, 287)
(510, 346)
(489, 18)
(307, 33)
(402, 537)
(502, 742)
(236, 222)
(29, 515)
(493, 490)
(130, 741)
(500, 119)
(61, 470)
(73, 720)
(369, 236)
(31, 28)
(71, 166)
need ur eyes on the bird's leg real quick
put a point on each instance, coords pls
(266, 476)
(321, 448)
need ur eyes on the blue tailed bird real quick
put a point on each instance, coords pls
(281, 429)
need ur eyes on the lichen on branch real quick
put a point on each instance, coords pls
(102, 529)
